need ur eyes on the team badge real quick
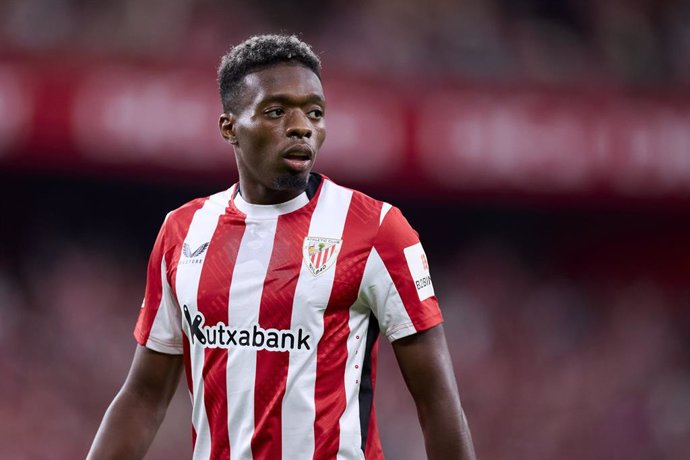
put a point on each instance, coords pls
(320, 253)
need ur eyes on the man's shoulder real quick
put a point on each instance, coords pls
(185, 212)
(182, 213)
(357, 195)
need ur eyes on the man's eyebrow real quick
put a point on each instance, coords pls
(291, 99)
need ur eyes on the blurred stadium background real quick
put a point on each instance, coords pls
(541, 148)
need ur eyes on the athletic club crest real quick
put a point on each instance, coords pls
(320, 253)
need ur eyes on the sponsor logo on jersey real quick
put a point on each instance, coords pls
(193, 257)
(254, 337)
(320, 253)
(419, 269)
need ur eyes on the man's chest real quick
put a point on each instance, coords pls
(263, 275)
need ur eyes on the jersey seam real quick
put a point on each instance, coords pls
(165, 343)
(399, 328)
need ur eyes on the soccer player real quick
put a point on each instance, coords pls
(270, 295)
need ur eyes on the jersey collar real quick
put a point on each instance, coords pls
(267, 211)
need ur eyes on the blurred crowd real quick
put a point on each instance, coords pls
(565, 348)
(639, 42)
(556, 368)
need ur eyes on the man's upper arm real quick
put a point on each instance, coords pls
(154, 375)
(425, 362)
(133, 418)
(427, 368)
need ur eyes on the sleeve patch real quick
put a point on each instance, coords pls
(419, 269)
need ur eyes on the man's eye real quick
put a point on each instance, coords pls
(275, 113)
(316, 113)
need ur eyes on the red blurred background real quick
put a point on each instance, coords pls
(541, 148)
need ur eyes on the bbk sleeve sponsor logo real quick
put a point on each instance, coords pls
(254, 337)
(419, 269)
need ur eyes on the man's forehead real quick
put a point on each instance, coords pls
(284, 79)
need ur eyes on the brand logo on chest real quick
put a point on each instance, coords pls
(190, 256)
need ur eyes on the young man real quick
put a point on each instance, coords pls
(271, 295)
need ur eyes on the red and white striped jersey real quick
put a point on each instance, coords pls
(277, 310)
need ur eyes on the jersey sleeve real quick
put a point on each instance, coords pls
(159, 326)
(397, 282)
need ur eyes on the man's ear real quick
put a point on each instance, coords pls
(226, 124)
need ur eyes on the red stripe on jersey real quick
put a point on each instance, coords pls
(360, 225)
(373, 449)
(276, 312)
(188, 378)
(212, 301)
(169, 245)
(396, 233)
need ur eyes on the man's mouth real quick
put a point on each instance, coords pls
(299, 152)
(298, 157)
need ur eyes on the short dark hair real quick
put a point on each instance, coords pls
(256, 53)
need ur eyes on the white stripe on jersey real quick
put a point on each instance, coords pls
(200, 231)
(351, 439)
(246, 289)
(384, 210)
(384, 299)
(167, 319)
(328, 221)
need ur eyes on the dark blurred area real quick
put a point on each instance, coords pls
(541, 149)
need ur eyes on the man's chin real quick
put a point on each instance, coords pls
(291, 182)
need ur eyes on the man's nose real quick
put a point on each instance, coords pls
(298, 125)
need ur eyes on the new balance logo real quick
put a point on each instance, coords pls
(256, 338)
(193, 257)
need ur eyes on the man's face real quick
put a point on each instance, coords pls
(277, 130)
